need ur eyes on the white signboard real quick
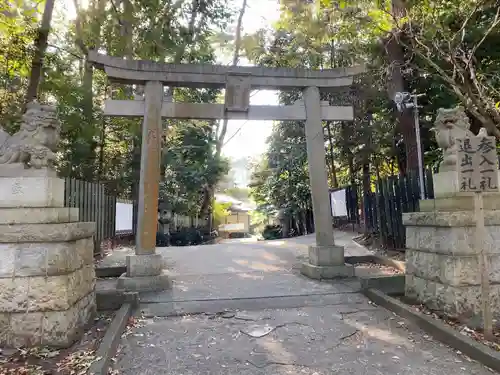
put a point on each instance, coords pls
(123, 217)
(338, 203)
(235, 226)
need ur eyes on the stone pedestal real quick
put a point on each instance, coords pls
(442, 270)
(144, 274)
(326, 262)
(47, 276)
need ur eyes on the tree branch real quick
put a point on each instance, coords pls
(469, 101)
(79, 33)
(493, 25)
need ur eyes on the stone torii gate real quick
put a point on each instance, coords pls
(144, 269)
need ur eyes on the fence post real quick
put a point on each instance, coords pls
(429, 187)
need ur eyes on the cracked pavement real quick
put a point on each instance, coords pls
(225, 316)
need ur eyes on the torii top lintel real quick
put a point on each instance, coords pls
(215, 76)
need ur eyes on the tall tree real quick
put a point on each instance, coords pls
(221, 133)
(396, 83)
(41, 43)
(236, 57)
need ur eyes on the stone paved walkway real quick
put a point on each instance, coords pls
(242, 308)
(209, 257)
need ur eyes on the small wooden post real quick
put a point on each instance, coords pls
(478, 173)
(483, 265)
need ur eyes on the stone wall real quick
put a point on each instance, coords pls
(442, 269)
(47, 277)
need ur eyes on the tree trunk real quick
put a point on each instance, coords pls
(102, 143)
(303, 220)
(40, 48)
(352, 173)
(333, 170)
(236, 57)
(206, 204)
(311, 220)
(396, 83)
(366, 194)
(352, 180)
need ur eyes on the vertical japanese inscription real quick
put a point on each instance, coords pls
(477, 164)
(237, 93)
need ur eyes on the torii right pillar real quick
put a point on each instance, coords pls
(326, 260)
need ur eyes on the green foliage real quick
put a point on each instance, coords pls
(450, 55)
(99, 148)
(18, 25)
(190, 166)
(220, 211)
(272, 232)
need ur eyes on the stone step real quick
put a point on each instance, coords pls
(251, 304)
(42, 259)
(459, 202)
(41, 215)
(61, 232)
(455, 219)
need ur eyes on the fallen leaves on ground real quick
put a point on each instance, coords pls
(388, 270)
(77, 363)
(133, 323)
(474, 334)
(75, 360)
(392, 254)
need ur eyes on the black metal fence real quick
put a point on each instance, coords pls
(94, 205)
(380, 212)
(97, 206)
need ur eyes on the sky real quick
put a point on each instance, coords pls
(243, 138)
(248, 138)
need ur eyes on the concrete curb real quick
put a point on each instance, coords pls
(391, 285)
(438, 330)
(109, 344)
(110, 300)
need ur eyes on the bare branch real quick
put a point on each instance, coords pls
(493, 25)
(464, 93)
(67, 51)
(461, 31)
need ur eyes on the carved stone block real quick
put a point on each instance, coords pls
(237, 93)
(31, 192)
(442, 266)
(47, 283)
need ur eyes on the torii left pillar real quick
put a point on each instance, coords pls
(326, 260)
(145, 268)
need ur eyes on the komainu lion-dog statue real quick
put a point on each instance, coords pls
(35, 144)
(450, 124)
